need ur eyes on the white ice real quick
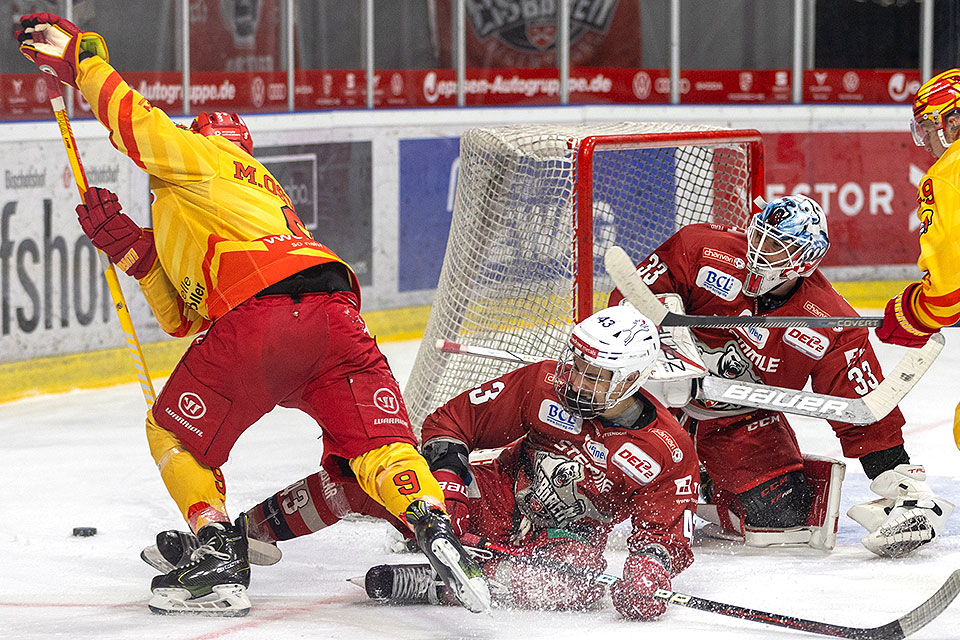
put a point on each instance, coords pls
(81, 459)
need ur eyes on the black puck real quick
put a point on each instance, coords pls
(84, 532)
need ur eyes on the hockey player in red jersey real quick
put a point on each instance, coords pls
(584, 447)
(752, 456)
(228, 255)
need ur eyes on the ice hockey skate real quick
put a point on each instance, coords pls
(404, 584)
(214, 581)
(459, 572)
(173, 549)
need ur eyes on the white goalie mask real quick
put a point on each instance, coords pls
(785, 241)
(607, 358)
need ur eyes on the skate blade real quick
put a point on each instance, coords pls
(262, 554)
(226, 601)
(472, 593)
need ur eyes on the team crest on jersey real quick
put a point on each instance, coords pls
(675, 453)
(723, 285)
(636, 463)
(553, 414)
(807, 341)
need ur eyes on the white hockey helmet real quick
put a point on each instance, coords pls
(607, 358)
(786, 240)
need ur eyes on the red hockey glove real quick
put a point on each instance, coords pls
(900, 326)
(642, 575)
(455, 500)
(49, 40)
(113, 232)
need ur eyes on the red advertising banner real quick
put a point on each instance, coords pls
(860, 86)
(866, 183)
(23, 96)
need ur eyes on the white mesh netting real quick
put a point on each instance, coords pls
(509, 275)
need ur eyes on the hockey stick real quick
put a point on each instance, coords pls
(902, 627)
(445, 346)
(624, 274)
(872, 407)
(113, 283)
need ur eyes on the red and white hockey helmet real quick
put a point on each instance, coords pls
(607, 358)
(936, 99)
(229, 125)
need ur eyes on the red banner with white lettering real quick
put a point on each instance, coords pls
(866, 183)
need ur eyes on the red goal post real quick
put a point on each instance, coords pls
(537, 205)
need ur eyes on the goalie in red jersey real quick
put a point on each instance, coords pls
(228, 255)
(581, 448)
(761, 487)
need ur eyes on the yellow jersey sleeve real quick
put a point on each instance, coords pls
(936, 302)
(173, 316)
(224, 227)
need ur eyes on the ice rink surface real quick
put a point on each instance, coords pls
(81, 459)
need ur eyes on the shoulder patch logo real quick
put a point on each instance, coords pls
(675, 453)
(636, 463)
(807, 341)
(724, 257)
(553, 414)
(723, 285)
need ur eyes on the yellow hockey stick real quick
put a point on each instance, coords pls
(113, 283)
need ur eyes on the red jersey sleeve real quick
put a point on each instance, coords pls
(850, 369)
(661, 512)
(490, 415)
(665, 270)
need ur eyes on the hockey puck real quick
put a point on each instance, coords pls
(84, 532)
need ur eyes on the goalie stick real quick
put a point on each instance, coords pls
(868, 409)
(902, 627)
(624, 274)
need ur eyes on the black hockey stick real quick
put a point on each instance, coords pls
(624, 274)
(902, 627)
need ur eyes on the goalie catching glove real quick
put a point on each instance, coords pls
(51, 41)
(113, 232)
(907, 516)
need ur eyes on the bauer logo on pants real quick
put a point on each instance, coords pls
(191, 405)
(386, 400)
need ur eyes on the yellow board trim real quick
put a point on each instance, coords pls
(108, 367)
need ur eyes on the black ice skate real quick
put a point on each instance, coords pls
(214, 581)
(404, 584)
(459, 572)
(173, 549)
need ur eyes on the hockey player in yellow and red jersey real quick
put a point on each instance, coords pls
(923, 307)
(229, 255)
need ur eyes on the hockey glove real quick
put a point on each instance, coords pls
(455, 500)
(642, 576)
(113, 232)
(906, 517)
(49, 40)
(900, 325)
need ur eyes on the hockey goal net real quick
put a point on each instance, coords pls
(535, 209)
